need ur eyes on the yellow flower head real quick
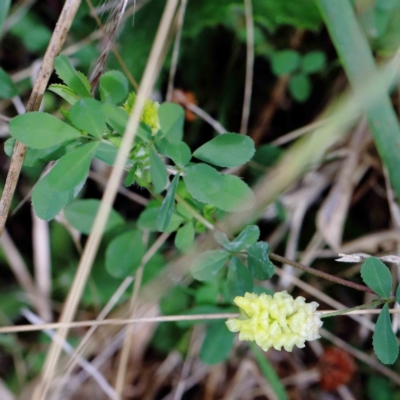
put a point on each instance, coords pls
(278, 321)
(150, 112)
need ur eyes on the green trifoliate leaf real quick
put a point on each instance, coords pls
(171, 117)
(72, 78)
(377, 276)
(259, 264)
(88, 115)
(39, 130)
(167, 206)
(113, 87)
(384, 340)
(227, 150)
(208, 264)
(81, 214)
(124, 254)
(158, 172)
(240, 280)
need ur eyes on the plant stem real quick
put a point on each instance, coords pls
(321, 274)
(195, 214)
(374, 303)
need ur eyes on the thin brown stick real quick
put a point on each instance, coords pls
(321, 274)
(54, 48)
(165, 318)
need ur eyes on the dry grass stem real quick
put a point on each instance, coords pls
(57, 40)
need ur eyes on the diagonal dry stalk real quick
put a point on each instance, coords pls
(57, 40)
(94, 239)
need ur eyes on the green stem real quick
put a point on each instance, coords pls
(373, 304)
(321, 274)
(195, 214)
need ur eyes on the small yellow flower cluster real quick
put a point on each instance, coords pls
(150, 112)
(278, 321)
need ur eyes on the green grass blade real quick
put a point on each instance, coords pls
(358, 62)
(269, 373)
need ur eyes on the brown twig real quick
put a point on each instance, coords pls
(321, 274)
(54, 48)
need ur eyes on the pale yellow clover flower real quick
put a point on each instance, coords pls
(278, 321)
(150, 112)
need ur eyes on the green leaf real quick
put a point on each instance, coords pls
(246, 238)
(113, 87)
(300, 87)
(167, 207)
(73, 167)
(72, 78)
(4, 8)
(107, 153)
(158, 172)
(227, 150)
(398, 294)
(258, 261)
(384, 340)
(240, 280)
(185, 236)
(377, 276)
(48, 202)
(148, 220)
(227, 192)
(312, 62)
(88, 115)
(124, 254)
(179, 153)
(64, 91)
(130, 176)
(358, 61)
(285, 62)
(172, 117)
(217, 344)
(7, 86)
(40, 130)
(117, 118)
(81, 214)
(207, 265)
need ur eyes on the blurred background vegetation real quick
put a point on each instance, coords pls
(297, 74)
